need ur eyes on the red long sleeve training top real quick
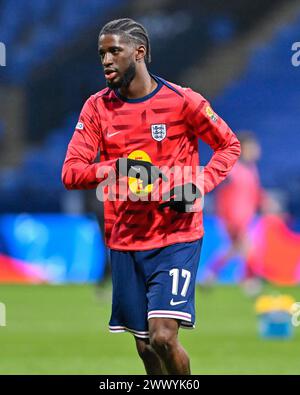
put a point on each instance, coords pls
(163, 128)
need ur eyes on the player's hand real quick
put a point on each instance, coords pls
(181, 198)
(145, 171)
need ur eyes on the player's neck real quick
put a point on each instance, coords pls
(142, 85)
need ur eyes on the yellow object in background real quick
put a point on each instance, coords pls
(268, 303)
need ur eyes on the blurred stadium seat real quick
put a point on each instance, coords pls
(36, 29)
(267, 104)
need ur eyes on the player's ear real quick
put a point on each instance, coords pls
(140, 53)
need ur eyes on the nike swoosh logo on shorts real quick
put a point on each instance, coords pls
(172, 303)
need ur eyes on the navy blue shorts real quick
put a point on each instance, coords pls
(154, 283)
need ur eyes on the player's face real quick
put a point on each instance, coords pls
(118, 60)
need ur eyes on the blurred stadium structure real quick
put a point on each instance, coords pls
(237, 54)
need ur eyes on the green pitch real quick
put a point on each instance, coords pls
(63, 330)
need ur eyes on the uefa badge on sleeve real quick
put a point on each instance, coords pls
(159, 131)
(211, 114)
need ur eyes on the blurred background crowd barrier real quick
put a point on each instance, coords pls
(237, 54)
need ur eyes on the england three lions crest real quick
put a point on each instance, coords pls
(159, 131)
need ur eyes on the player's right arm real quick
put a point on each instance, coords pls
(79, 170)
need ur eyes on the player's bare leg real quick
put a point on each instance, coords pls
(164, 340)
(152, 362)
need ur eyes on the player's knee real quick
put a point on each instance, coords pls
(144, 350)
(163, 341)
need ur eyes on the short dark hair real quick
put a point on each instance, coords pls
(132, 29)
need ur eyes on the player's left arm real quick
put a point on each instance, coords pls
(215, 132)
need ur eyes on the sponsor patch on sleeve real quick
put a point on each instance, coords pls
(211, 114)
(79, 125)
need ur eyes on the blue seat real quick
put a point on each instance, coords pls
(47, 26)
